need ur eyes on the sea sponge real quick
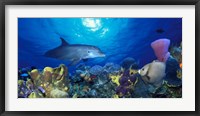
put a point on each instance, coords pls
(35, 74)
(48, 69)
(51, 80)
(160, 48)
(48, 88)
(47, 74)
(56, 93)
(58, 76)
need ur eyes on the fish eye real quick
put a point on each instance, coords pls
(143, 69)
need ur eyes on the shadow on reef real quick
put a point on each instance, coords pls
(161, 78)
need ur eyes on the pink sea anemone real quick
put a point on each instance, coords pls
(160, 48)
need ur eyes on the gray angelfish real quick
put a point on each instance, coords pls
(153, 73)
(74, 52)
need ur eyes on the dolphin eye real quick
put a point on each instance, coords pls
(88, 51)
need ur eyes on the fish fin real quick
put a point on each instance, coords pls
(148, 77)
(64, 43)
(85, 60)
(73, 62)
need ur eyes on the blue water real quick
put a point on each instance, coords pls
(118, 38)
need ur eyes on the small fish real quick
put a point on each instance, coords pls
(24, 75)
(153, 73)
(74, 52)
(160, 30)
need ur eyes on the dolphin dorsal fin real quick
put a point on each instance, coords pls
(64, 43)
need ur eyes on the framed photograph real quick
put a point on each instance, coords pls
(131, 57)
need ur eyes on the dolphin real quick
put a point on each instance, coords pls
(74, 52)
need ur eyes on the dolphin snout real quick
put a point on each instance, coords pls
(139, 71)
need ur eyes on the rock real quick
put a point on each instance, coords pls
(127, 62)
(96, 70)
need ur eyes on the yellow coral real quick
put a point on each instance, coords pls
(34, 95)
(35, 74)
(48, 69)
(66, 89)
(75, 95)
(51, 79)
(47, 74)
(29, 83)
(20, 82)
(85, 89)
(59, 74)
(132, 72)
(48, 89)
(56, 93)
(62, 70)
(34, 70)
(115, 78)
(179, 74)
(115, 96)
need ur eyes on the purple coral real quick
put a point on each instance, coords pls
(133, 78)
(23, 91)
(122, 90)
(124, 81)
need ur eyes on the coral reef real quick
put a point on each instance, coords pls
(108, 81)
(96, 70)
(51, 82)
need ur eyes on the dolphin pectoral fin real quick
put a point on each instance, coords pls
(74, 62)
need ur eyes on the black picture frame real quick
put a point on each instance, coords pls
(99, 2)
